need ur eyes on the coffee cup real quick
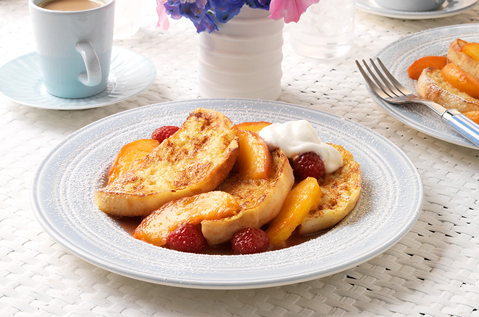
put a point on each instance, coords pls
(73, 46)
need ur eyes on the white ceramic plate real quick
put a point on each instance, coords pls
(399, 55)
(130, 73)
(64, 185)
(450, 7)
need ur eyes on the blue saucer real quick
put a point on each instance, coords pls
(130, 74)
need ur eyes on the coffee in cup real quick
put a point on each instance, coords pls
(71, 5)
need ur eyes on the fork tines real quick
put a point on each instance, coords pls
(387, 86)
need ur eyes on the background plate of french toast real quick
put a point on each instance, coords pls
(64, 202)
(400, 55)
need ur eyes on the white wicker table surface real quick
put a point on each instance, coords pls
(432, 271)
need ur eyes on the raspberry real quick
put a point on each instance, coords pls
(186, 238)
(308, 164)
(164, 132)
(250, 240)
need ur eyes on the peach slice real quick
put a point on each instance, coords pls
(254, 158)
(299, 201)
(252, 126)
(260, 200)
(456, 55)
(473, 115)
(416, 68)
(471, 49)
(212, 205)
(461, 80)
(130, 152)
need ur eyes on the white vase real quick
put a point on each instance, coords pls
(243, 58)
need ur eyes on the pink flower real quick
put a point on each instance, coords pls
(291, 10)
(162, 16)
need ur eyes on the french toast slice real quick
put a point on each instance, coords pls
(260, 200)
(431, 85)
(340, 193)
(461, 59)
(196, 159)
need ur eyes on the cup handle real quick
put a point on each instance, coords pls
(92, 77)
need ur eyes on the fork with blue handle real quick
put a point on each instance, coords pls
(390, 90)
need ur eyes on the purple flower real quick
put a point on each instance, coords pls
(197, 12)
(206, 14)
(178, 9)
(258, 4)
(225, 10)
(208, 23)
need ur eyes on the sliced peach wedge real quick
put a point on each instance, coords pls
(130, 152)
(473, 115)
(471, 49)
(464, 54)
(304, 197)
(254, 158)
(461, 80)
(254, 126)
(212, 205)
(416, 68)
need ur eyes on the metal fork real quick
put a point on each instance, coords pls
(390, 90)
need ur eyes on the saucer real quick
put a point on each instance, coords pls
(450, 7)
(130, 73)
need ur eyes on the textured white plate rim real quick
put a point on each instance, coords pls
(456, 6)
(64, 235)
(112, 94)
(398, 55)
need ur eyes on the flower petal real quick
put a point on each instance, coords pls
(290, 10)
(163, 21)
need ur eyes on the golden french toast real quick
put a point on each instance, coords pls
(340, 192)
(457, 56)
(196, 159)
(456, 84)
(431, 85)
(260, 200)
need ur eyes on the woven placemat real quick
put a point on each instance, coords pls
(432, 271)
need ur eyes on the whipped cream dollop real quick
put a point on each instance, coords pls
(295, 137)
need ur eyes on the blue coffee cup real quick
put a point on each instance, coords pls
(74, 48)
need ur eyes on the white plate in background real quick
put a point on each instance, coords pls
(450, 7)
(399, 55)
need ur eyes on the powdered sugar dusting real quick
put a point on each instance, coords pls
(390, 202)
